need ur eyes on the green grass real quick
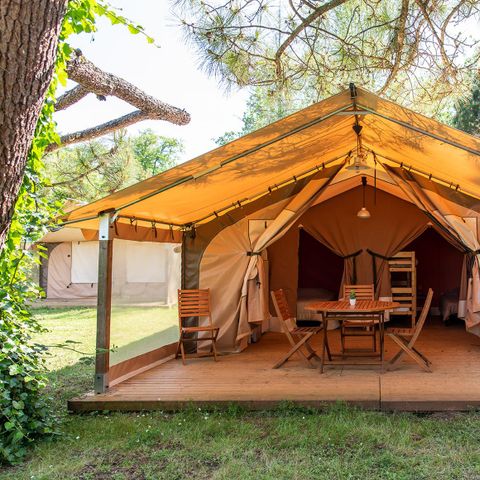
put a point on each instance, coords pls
(286, 443)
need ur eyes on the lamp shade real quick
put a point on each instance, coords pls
(359, 163)
(363, 213)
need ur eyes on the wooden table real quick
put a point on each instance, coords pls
(342, 310)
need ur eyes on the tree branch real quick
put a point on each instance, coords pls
(446, 61)
(418, 52)
(69, 98)
(86, 74)
(91, 79)
(102, 129)
(302, 26)
(400, 42)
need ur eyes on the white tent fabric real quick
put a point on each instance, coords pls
(84, 262)
(59, 280)
(146, 262)
(174, 275)
(142, 271)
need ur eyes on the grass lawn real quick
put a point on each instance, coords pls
(287, 443)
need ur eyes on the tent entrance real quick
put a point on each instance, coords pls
(318, 266)
(320, 273)
(303, 258)
(439, 266)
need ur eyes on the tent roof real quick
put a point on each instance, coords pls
(63, 235)
(293, 147)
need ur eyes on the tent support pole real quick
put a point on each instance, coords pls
(104, 304)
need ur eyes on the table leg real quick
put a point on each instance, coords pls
(327, 346)
(324, 341)
(382, 338)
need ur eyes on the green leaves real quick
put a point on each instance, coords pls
(467, 110)
(102, 9)
(133, 29)
(8, 426)
(62, 77)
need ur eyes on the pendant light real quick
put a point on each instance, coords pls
(360, 156)
(363, 212)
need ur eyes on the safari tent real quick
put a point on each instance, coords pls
(281, 206)
(142, 272)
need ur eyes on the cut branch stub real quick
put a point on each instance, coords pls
(91, 79)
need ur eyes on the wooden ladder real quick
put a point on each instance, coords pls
(405, 294)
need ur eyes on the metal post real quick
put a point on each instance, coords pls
(104, 303)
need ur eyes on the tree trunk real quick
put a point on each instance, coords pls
(29, 31)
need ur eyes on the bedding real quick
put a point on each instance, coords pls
(449, 304)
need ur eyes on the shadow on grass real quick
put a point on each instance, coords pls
(69, 382)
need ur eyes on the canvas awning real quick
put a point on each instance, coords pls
(197, 191)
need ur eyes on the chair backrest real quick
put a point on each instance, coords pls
(283, 310)
(194, 303)
(362, 292)
(423, 316)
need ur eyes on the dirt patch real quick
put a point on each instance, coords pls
(111, 467)
(168, 445)
(118, 465)
(131, 464)
(452, 415)
(416, 437)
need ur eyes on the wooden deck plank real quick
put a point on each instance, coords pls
(248, 379)
(454, 382)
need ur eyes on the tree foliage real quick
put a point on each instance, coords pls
(23, 410)
(155, 153)
(98, 168)
(418, 53)
(467, 111)
(265, 106)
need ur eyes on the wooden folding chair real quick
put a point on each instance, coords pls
(298, 337)
(405, 338)
(195, 303)
(363, 327)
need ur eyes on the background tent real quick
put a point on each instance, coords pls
(142, 271)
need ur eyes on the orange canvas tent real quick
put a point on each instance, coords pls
(231, 206)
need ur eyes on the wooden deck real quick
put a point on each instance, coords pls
(248, 379)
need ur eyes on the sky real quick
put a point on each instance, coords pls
(170, 73)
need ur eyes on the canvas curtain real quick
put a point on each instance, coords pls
(253, 303)
(456, 215)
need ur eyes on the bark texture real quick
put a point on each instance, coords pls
(29, 32)
(69, 98)
(92, 79)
